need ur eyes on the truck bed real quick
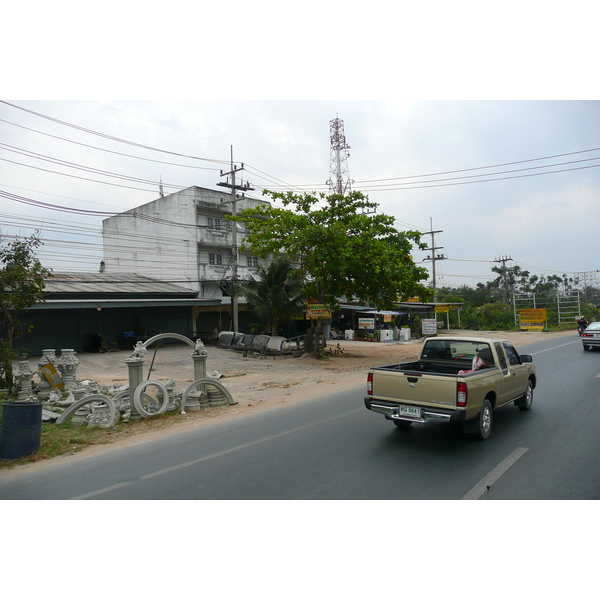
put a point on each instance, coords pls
(440, 367)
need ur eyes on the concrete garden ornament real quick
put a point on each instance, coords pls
(105, 404)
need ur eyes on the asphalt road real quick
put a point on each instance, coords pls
(333, 448)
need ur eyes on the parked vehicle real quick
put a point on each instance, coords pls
(456, 380)
(591, 335)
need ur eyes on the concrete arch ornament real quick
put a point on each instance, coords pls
(86, 400)
(137, 398)
(162, 336)
(205, 381)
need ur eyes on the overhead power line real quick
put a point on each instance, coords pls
(71, 165)
(129, 187)
(161, 162)
(518, 162)
(505, 172)
(109, 137)
(439, 182)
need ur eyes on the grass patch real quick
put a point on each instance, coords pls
(59, 440)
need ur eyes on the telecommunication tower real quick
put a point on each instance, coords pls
(339, 180)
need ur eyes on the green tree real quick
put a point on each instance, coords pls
(342, 246)
(21, 285)
(275, 297)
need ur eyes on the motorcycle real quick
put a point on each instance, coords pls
(581, 329)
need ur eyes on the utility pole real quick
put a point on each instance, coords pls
(235, 250)
(504, 271)
(434, 257)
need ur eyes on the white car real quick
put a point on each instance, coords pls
(591, 336)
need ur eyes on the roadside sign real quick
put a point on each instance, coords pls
(366, 323)
(428, 326)
(53, 376)
(317, 311)
(533, 319)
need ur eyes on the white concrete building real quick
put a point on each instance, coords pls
(182, 238)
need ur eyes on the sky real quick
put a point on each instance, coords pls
(497, 179)
(496, 145)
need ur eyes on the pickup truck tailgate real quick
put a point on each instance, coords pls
(421, 389)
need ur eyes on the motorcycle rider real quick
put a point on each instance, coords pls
(581, 324)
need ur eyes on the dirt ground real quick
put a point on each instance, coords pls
(256, 383)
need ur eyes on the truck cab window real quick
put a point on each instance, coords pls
(501, 357)
(513, 357)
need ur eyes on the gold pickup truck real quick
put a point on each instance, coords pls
(458, 380)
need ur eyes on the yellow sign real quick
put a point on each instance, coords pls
(533, 319)
(53, 376)
(442, 309)
(414, 299)
(317, 311)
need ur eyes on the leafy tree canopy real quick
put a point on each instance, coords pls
(343, 248)
(21, 285)
(275, 296)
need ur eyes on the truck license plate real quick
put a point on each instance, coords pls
(409, 411)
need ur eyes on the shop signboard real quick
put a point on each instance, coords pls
(317, 311)
(533, 319)
(429, 326)
(366, 323)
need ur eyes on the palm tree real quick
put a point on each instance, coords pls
(275, 296)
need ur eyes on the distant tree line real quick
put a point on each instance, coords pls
(490, 305)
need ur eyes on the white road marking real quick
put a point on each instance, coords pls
(106, 489)
(494, 475)
(555, 347)
(211, 456)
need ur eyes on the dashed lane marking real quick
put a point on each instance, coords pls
(476, 492)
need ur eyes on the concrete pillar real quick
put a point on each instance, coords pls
(24, 377)
(135, 366)
(198, 399)
(67, 365)
(199, 365)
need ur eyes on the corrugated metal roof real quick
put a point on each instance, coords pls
(111, 283)
(123, 303)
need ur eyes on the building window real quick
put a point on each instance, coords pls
(252, 261)
(215, 258)
(214, 223)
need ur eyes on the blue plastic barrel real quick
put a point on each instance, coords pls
(21, 429)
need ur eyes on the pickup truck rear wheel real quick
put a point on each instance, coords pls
(402, 424)
(485, 420)
(527, 399)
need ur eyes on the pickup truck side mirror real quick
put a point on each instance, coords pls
(526, 358)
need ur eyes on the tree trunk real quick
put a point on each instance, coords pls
(318, 339)
(7, 355)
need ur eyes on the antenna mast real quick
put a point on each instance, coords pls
(339, 180)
